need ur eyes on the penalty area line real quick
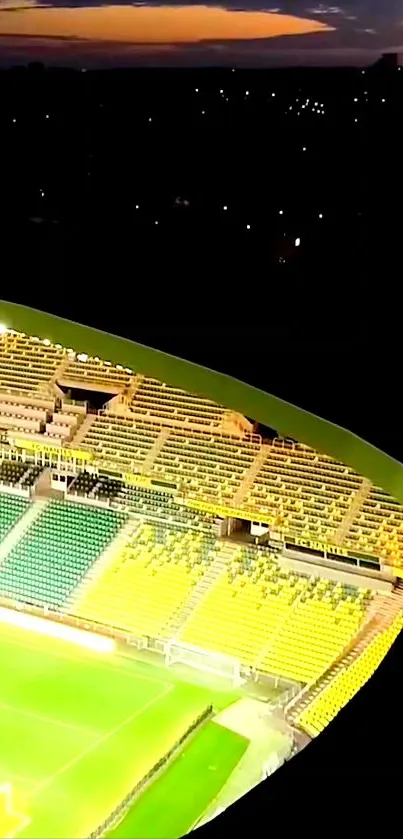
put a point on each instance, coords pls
(100, 741)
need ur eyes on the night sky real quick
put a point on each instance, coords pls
(258, 33)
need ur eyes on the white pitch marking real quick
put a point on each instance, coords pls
(48, 781)
(49, 720)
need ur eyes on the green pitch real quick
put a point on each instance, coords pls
(173, 804)
(79, 729)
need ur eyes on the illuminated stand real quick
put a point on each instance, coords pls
(11, 821)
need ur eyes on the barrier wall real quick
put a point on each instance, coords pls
(123, 808)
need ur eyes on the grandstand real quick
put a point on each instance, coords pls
(167, 524)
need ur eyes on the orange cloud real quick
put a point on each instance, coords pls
(154, 24)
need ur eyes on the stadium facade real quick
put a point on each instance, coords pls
(144, 517)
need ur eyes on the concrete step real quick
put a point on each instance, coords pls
(201, 589)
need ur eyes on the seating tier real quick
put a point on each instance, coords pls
(56, 551)
(12, 507)
(157, 399)
(148, 581)
(327, 704)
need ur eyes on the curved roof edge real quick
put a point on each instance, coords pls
(269, 410)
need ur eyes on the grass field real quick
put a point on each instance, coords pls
(79, 729)
(172, 805)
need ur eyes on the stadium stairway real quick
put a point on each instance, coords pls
(106, 559)
(280, 626)
(58, 373)
(134, 386)
(155, 449)
(384, 610)
(250, 476)
(352, 511)
(223, 558)
(348, 680)
(82, 430)
(35, 509)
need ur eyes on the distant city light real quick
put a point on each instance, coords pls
(273, 94)
(248, 226)
(137, 206)
(383, 100)
(203, 112)
(320, 215)
(14, 120)
(297, 242)
(196, 89)
(46, 116)
(150, 119)
(246, 92)
(281, 212)
(356, 99)
(156, 222)
(221, 91)
(304, 148)
(225, 207)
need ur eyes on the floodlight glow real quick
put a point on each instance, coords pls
(82, 356)
(32, 623)
(3, 329)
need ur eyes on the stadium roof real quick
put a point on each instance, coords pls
(287, 419)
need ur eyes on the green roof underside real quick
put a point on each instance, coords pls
(288, 420)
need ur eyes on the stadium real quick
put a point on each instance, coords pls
(195, 578)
